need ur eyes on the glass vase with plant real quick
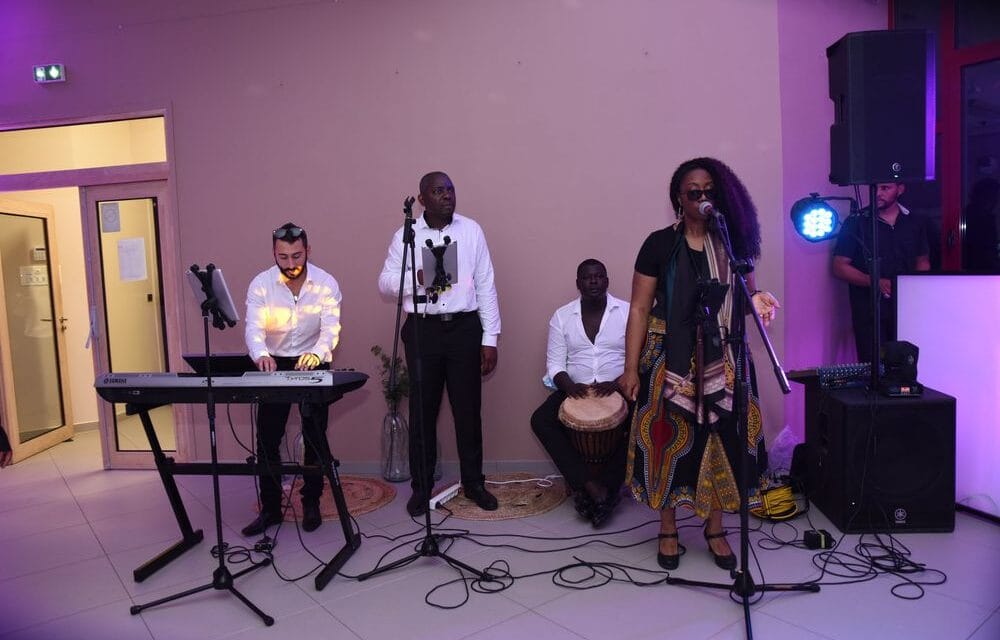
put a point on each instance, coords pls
(395, 432)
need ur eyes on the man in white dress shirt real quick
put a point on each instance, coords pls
(458, 323)
(292, 323)
(586, 351)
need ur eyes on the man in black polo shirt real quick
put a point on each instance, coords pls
(902, 247)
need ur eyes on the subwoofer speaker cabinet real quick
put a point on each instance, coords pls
(884, 467)
(882, 87)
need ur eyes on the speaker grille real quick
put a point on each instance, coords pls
(891, 469)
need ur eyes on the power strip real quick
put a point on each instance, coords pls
(444, 496)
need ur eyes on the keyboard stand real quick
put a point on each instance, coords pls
(167, 467)
(189, 537)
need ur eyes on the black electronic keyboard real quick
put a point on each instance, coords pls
(255, 386)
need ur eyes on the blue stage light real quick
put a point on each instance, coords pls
(814, 219)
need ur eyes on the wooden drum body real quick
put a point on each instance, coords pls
(595, 424)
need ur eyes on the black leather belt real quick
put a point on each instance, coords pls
(448, 317)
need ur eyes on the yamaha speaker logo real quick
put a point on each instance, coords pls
(900, 515)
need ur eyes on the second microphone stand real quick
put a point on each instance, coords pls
(743, 584)
(430, 546)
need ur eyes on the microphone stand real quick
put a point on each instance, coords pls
(222, 578)
(743, 584)
(430, 546)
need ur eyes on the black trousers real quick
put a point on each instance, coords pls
(449, 357)
(554, 436)
(271, 421)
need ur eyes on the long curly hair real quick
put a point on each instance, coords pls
(731, 198)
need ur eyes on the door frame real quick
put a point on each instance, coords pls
(7, 398)
(170, 274)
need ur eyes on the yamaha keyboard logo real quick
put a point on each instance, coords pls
(112, 380)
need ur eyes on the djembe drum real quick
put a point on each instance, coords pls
(595, 425)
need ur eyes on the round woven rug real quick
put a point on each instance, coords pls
(517, 500)
(362, 494)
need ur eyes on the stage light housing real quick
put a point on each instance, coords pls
(45, 73)
(814, 219)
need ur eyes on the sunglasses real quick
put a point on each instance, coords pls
(694, 195)
(287, 232)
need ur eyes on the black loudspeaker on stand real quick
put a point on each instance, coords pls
(882, 87)
(887, 467)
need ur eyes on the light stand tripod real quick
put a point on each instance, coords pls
(222, 578)
(430, 546)
(743, 584)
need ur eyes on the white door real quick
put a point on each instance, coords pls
(132, 277)
(34, 390)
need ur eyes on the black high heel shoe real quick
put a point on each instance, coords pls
(727, 561)
(671, 561)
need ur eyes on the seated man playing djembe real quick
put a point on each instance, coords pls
(582, 424)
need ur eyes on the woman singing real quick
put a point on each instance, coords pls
(678, 455)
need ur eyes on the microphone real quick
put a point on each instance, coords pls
(708, 209)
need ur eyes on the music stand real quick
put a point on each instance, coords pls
(231, 364)
(210, 291)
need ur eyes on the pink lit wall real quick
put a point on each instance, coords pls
(560, 123)
(817, 315)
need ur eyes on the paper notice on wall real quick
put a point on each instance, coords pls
(132, 259)
(110, 219)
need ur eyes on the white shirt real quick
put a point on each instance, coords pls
(570, 349)
(280, 324)
(473, 288)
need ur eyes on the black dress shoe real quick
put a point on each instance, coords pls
(483, 498)
(583, 504)
(603, 509)
(417, 504)
(726, 561)
(261, 523)
(668, 561)
(311, 518)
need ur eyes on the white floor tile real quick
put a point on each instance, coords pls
(46, 595)
(214, 613)
(97, 480)
(764, 626)
(852, 611)
(55, 514)
(108, 622)
(989, 630)
(47, 550)
(621, 610)
(126, 499)
(35, 492)
(312, 624)
(140, 528)
(526, 625)
(365, 612)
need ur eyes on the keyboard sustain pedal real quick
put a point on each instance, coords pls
(444, 496)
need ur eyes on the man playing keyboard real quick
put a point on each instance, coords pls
(292, 322)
